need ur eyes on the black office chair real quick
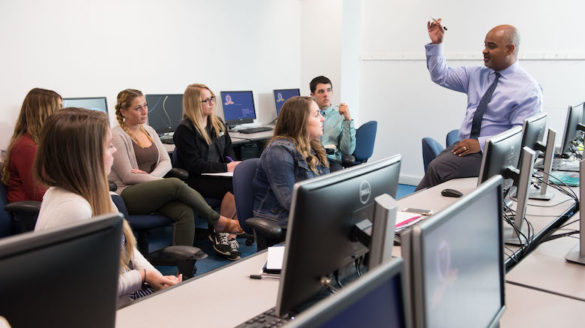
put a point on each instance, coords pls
(266, 232)
(16, 217)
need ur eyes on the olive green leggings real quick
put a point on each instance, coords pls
(173, 198)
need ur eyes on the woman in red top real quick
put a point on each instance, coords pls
(17, 175)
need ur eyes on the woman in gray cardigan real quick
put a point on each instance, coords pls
(139, 166)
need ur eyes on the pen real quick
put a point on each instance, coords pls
(264, 275)
(229, 158)
(435, 21)
(407, 221)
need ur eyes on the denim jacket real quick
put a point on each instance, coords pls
(281, 165)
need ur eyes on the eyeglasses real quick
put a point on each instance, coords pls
(208, 100)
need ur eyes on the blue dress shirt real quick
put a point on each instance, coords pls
(339, 132)
(517, 97)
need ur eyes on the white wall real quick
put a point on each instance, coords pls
(97, 48)
(395, 88)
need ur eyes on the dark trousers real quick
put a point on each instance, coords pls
(212, 187)
(447, 166)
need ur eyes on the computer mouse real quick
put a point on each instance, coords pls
(451, 193)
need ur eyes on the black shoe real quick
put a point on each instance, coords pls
(235, 248)
(222, 246)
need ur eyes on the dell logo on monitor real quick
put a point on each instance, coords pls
(365, 191)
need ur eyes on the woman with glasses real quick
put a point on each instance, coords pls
(203, 145)
(138, 170)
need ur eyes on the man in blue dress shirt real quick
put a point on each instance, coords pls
(511, 96)
(338, 131)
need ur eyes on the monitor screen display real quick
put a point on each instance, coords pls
(238, 107)
(323, 238)
(282, 95)
(378, 299)
(66, 277)
(459, 265)
(165, 112)
(93, 103)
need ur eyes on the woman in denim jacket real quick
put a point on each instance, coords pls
(294, 154)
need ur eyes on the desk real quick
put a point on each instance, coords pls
(221, 298)
(527, 307)
(546, 268)
(227, 297)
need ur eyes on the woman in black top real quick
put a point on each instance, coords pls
(203, 145)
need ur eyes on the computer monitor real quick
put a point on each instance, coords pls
(93, 103)
(457, 261)
(378, 299)
(238, 107)
(282, 95)
(165, 112)
(324, 213)
(533, 132)
(500, 157)
(66, 277)
(572, 125)
(577, 254)
(501, 154)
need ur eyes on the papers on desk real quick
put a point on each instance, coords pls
(406, 219)
(274, 259)
(220, 174)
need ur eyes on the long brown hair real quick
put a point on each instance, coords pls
(292, 125)
(37, 106)
(124, 100)
(192, 111)
(71, 156)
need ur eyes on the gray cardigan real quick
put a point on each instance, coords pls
(125, 160)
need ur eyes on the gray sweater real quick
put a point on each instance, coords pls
(125, 160)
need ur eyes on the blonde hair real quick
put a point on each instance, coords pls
(124, 101)
(193, 112)
(292, 125)
(37, 106)
(71, 156)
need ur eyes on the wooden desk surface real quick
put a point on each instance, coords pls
(223, 298)
(527, 307)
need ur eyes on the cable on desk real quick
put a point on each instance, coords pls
(553, 205)
(560, 235)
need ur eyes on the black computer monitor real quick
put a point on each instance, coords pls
(500, 157)
(93, 103)
(165, 112)
(501, 154)
(238, 107)
(324, 213)
(572, 125)
(62, 278)
(376, 300)
(457, 260)
(282, 95)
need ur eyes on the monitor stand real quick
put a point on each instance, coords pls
(577, 254)
(511, 237)
(542, 192)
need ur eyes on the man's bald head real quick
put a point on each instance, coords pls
(501, 47)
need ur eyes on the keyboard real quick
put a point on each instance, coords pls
(265, 319)
(254, 130)
(167, 139)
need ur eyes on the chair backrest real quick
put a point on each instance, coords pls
(431, 148)
(365, 136)
(5, 219)
(452, 137)
(243, 193)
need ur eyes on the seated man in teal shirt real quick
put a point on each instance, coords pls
(338, 131)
